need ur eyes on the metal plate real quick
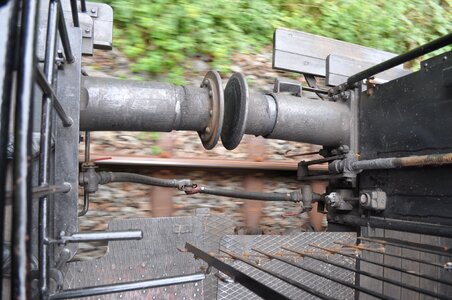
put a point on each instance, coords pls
(401, 119)
(64, 208)
(303, 52)
(272, 244)
(155, 256)
(236, 99)
(339, 68)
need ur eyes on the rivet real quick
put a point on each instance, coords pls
(93, 10)
(87, 30)
(210, 112)
(207, 129)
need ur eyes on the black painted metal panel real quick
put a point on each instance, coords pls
(410, 116)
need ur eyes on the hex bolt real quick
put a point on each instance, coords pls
(364, 199)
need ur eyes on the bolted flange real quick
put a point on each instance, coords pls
(211, 134)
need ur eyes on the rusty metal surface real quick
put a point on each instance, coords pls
(149, 259)
(197, 163)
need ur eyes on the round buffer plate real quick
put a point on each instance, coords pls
(236, 96)
(211, 134)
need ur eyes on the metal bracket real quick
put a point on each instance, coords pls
(287, 85)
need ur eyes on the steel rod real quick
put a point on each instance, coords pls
(87, 158)
(409, 245)
(124, 235)
(279, 276)
(83, 5)
(52, 189)
(314, 90)
(412, 273)
(371, 275)
(400, 59)
(49, 92)
(64, 36)
(45, 145)
(124, 287)
(250, 283)
(362, 248)
(74, 11)
(327, 276)
(400, 162)
(9, 13)
(22, 208)
(394, 224)
(41, 191)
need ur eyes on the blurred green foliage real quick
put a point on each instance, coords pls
(159, 35)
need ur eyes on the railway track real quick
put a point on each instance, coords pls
(104, 160)
(255, 176)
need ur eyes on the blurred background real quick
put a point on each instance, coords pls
(179, 41)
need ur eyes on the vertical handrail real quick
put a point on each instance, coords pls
(22, 208)
(45, 145)
(8, 41)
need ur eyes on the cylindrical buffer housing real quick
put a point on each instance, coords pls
(282, 116)
(113, 104)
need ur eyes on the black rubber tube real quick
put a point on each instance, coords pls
(293, 196)
(183, 184)
(106, 177)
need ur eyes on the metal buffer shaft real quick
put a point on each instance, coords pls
(281, 116)
(113, 104)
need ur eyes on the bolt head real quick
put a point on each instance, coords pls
(364, 199)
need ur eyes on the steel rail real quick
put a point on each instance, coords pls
(196, 163)
(329, 277)
(279, 276)
(362, 248)
(409, 245)
(250, 283)
(125, 287)
(368, 274)
(424, 276)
